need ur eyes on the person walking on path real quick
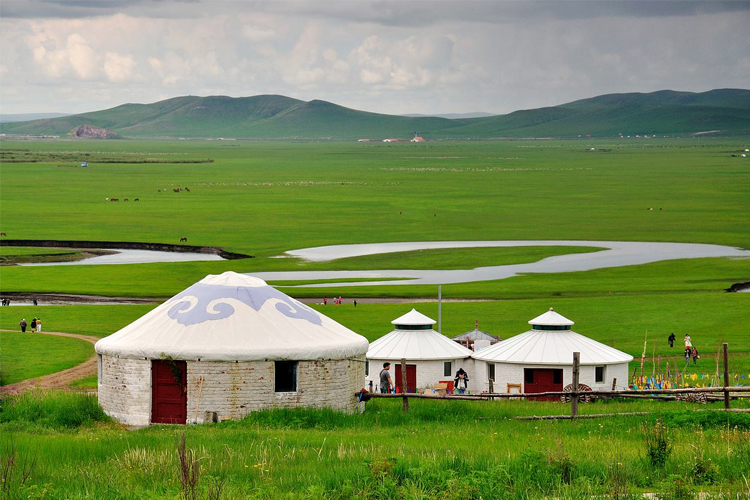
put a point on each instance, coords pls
(33, 325)
(355, 302)
(39, 325)
(23, 325)
(696, 357)
(386, 383)
(671, 339)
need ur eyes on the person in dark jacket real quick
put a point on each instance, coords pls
(671, 339)
(461, 382)
(23, 325)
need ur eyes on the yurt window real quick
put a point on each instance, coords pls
(491, 371)
(286, 376)
(551, 327)
(367, 368)
(600, 374)
(413, 327)
(447, 369)
(99, 367)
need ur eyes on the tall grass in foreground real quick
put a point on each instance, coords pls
(53, 410)
(445, 450)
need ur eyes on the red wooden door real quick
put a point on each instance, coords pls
(411, 378)
(543, 380)
(168, 393)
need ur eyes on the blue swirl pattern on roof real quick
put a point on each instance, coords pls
(253, 297)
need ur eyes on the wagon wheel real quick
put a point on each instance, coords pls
(581, 398)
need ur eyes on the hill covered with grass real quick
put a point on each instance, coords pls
(723, 112)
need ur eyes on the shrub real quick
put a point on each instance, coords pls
(658, 444)
(704, 471)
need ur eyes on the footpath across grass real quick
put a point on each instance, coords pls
(30, 355)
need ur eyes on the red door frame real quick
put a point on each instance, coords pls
(411, 378)
(168, 396)
(542, 380)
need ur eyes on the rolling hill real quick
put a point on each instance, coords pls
(666, 112)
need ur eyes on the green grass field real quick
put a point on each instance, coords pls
(26, 355)
(264, 198)
(460, 450)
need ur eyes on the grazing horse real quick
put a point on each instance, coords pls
(137, 199)
(183, 239)
(114, 199)
(187, 189)
(176, 190)
(125, 199)
(3, 234)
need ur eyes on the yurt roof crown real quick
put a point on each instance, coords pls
(551, 321)
(413, 320)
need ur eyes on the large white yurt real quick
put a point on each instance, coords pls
(430, 356)
(228, 345)
(541, 359)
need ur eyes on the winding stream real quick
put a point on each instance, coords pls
(617, 253)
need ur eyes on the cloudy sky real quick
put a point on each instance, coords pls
(385, 56)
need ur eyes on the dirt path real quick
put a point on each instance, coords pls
(57, 380)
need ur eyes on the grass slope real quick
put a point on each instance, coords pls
(664, 112)
(20, 359)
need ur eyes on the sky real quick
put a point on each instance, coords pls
(394, 57)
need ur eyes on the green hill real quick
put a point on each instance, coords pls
(666, 112)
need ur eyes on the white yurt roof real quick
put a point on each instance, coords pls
(413, 317)
(551, 347)
(416, 344)
(551, 318)
(233, 317)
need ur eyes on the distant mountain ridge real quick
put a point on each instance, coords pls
(666, 112)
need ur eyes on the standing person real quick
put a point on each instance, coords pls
(355, 302)
(23, 325)
(688, 342)
(671, 339)
(325, 300)
(33, 325)
(461, 382)
(688, 352)
(39, 325)
(386, 383)
(34, 301)
(696, 357)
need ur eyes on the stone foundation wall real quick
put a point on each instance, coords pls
(232, 390)
(125, 389)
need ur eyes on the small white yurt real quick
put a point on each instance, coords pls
(227, 346)
(541, 359)
(430, 356)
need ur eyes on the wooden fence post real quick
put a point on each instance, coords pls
(726, 376)
(403, 385)
(574, 394)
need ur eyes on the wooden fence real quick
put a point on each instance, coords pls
(728, 392)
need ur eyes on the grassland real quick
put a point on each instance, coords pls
(262, 198)
(26, 355)
(466, 450)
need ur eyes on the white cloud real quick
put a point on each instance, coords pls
(393, 57)
(117, 67)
